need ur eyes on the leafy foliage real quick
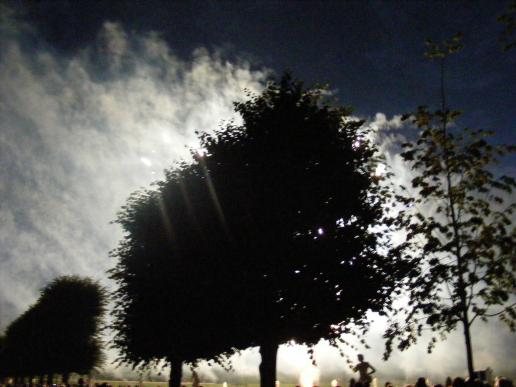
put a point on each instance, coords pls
(59, 334)
(296, 187)
(460, 236)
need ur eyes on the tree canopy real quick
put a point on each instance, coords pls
(60, 333)
(269, 235)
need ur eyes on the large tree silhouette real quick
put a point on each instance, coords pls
(60, 333)
(276, 217)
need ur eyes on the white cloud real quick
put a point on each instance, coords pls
(79, 134)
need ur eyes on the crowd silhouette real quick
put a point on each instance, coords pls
(420, 382)
(449, 382)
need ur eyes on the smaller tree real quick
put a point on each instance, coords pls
(59, 334)
(73, 308)
(460, 237)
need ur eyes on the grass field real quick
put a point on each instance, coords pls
(135, 383)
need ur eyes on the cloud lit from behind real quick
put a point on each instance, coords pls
(79, 134)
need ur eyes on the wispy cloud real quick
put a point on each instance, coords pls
(79, 134)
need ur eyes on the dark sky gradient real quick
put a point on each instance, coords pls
(371, 52)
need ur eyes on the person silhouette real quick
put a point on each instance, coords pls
(363, 371)
(195, 379)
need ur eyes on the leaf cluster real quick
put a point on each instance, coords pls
(447, 47)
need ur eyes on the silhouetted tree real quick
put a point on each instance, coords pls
(24, 341)
(460, 237)
(296, 193)
(74, 307)
(276, 217)
(59, 334)
(169, 304)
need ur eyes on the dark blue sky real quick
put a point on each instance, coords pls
(372, 52)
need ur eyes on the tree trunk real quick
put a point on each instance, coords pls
(469, 349)
(66, 378)
(176, 372)
(268, 352)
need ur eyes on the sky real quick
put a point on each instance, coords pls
(97, 98)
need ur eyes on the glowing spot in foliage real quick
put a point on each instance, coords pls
(320, 231)
(201, 152)
(334, 383)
